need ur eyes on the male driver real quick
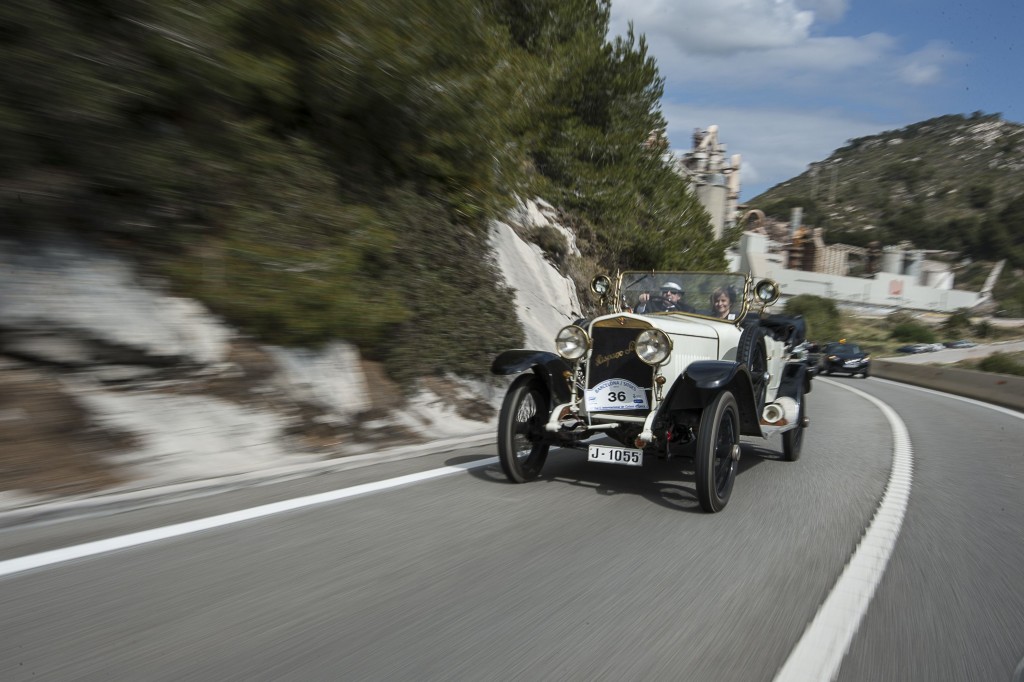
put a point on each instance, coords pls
(671, 301)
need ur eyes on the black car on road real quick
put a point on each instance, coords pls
(846, 358)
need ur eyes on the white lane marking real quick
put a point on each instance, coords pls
(972, 401)
(821, 649)
(57, 556)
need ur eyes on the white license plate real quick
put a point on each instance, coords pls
(614, 455)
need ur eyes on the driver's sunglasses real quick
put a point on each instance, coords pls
(669, 291)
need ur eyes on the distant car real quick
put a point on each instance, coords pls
(846, 358)
(933, 347)
(914, 348)
(960, 344)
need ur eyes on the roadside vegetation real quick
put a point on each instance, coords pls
(881, 336)
(316, 170)
(1000, 363)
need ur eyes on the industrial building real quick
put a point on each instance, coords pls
(878, 277)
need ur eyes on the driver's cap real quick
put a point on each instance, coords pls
(671, 286)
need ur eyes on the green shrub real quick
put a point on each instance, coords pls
(1001, 363)
(551, 242)
(462, 313)
(913, 332)
(899, 317)
(820, 314)
(956, 323)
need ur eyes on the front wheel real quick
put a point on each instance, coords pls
(522, 445)
(718, 452)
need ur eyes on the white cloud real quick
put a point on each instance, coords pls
(813, 63)
(917, 73)
(720, 26)
(772, 43)
(925, 67)
(825, 10)
(785, 87)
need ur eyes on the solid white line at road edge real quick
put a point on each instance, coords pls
(821, 649)
(57, 556)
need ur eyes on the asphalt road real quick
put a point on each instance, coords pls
(596, 572)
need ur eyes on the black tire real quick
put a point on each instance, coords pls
(522, 448)
(866, 373)
(716, 458)
(753, 353)
(793, 440)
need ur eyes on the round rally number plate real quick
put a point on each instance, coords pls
(616, 394)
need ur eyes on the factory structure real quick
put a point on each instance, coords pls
(714, 179)
(876, 278)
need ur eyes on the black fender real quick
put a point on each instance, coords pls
(793, 375)
(703, 380)
(789, 328)
(556, 372)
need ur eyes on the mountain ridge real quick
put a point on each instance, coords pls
(953, 182)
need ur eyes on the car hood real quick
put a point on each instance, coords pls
(673, 324)
(692, 338)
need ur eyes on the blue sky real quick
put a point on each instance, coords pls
(789, 81)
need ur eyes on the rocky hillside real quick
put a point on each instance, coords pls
(110, 383)
(954, 182)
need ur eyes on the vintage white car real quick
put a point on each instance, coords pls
(681, 365)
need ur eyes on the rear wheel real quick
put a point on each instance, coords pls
(718, 452)
(793, 440)
(752, 352)
(522, 445)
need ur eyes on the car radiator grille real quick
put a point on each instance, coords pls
(613, 357)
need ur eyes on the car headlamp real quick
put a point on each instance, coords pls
(767, 291)
(653, 346)
(572, 342)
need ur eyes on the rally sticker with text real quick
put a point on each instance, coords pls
(616, 394)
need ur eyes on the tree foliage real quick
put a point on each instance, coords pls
(321, 169)
(1001, 363)
(912, 332)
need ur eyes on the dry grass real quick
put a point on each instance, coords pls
(973, 363)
